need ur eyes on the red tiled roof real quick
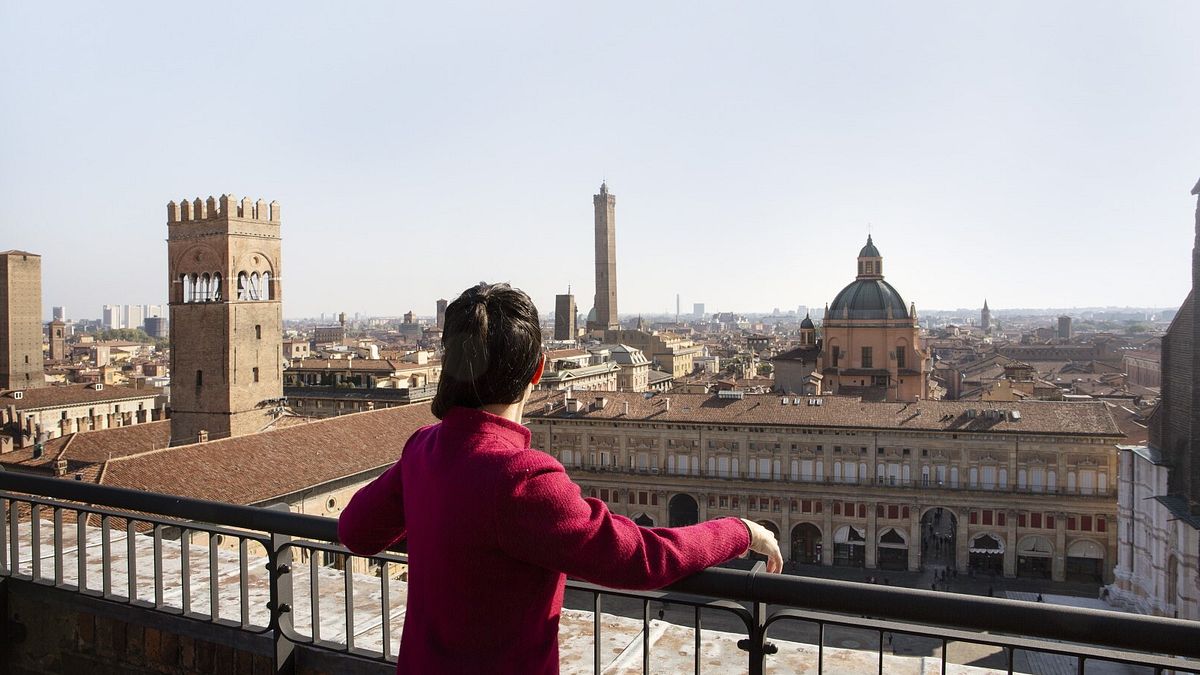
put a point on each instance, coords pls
(259, 467)
(73, 394)
(1041, 417)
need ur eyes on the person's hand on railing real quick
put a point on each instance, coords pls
(763, 542)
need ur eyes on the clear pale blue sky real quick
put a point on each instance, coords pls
(1037, 154)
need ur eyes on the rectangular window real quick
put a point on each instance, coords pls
(974, 519)
(1035, 520)
(255, 371)
(1070, 522)
(1101, 525)
(1049, 522)
(879, 510)
(1001, 519)
(818, 505)
(258, 332)
(900, 353)
(1085, 523)
(837, 508)
(866, 358)
(735, 502)
(893, 512)
(1021, 520)
(862, 510)
(604, 494)
(987, 517)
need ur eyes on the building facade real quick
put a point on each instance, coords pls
(1159, 568)
(1012, 490)
(226, 319)
(21, 365)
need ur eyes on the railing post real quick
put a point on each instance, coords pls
(279, 566)
(756, 641)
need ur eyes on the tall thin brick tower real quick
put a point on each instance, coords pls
(21, 324)
(606, 261)
(226, 317)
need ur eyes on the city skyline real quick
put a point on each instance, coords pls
(1018, 153)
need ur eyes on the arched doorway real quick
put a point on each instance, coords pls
(806, 544)
(683, 510)
(849, 546)
(644, 520)
(1034, 556)
(939, 532)
(1085, 561)
(892, 553)
(987, 554)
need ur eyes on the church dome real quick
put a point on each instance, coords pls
(807, 322)
(868, 299)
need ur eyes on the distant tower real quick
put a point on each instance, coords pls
(1064, 327)
(985, 317)
(676, 308)
(441, 314)
(565, 317)
(226, 321)
(21, 364)
(342, 319)
(606, 261)
(57, 334)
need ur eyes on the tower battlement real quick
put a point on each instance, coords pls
(224, 207)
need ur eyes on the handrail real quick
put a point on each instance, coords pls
(1069, 624)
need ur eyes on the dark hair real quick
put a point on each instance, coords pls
(493, 344)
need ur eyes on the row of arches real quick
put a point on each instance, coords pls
(207, 287)
(1034, 555)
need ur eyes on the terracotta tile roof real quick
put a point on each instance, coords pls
(73, 394)
(94, 447)
(343, 364)
(1042, 417)
(259, 467)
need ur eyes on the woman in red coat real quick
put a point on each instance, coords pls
(494, 526)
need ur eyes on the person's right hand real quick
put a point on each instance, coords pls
(763, 542)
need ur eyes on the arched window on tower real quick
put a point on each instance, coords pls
(267, 292)
(195, 295)
(185, 285)
(214, 291)
(205, 287)
(243, 288)
(255, 286)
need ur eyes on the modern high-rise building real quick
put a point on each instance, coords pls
(135, 316)
(605, 306)
(985, 317)
(21, 364)
(58, 313)
(157, 327)
(441, 314)
(111, 317)
(565, 327)
(1064, 328)
(226, 319)
(698, 309)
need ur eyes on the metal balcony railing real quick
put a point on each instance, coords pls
(270, 571)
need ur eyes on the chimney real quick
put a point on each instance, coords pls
(202, 437)
(625, 408)
(667, 404)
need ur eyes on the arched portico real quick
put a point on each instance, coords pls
(892, 550)
(1085, 561)
(1035, 556)
(806, 544)
(644, 520)
(683, 509)
(849, 546)
(986, 553)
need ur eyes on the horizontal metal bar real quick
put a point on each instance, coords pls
(957, 611)
(248, 517)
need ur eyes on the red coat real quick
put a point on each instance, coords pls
(492, 527)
